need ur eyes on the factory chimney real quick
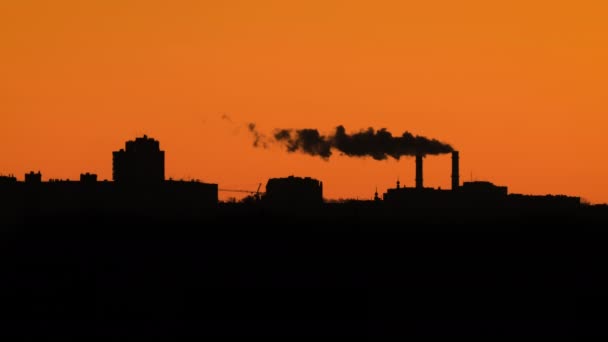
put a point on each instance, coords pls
(419, 171)
(455, 171)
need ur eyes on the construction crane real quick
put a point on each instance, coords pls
(237, 190)
(255, 193)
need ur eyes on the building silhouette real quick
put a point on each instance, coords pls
(33, 177)
(474, 194)
(138, 188)
(293, 192)
(141, 162)
(88, 178)
(8, 179)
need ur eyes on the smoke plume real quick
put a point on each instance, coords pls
(226, 117)
(259, 138)
(305, 140)
(378, 144)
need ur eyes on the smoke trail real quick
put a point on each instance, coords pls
(226, 117)
(259, 138)
(378, 144)
(306, 140)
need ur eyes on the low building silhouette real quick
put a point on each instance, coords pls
(543, 203)
(293, 192)
(88, 178)
(8, 179)
(33, 177)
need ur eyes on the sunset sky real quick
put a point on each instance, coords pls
(520, 88)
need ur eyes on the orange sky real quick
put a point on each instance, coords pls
(519, 87)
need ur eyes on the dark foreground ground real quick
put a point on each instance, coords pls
(293, 277)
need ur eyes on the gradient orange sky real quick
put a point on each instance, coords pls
(519, 87)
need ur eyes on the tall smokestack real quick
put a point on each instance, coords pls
(419, 171)
(455, 170)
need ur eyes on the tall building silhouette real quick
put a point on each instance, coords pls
(141, 162)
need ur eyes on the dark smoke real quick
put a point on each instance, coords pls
(226, 117)
(305, 140)
(259, 138)
(378, 144)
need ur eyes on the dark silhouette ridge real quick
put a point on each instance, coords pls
(379, 144)
(164, 259)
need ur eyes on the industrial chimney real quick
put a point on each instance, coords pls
(419, 171)
(455, 170)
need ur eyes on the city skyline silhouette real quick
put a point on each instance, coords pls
(141, 165)
(228, 193)
(512, 87)
(157, 257)
(260, 170)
